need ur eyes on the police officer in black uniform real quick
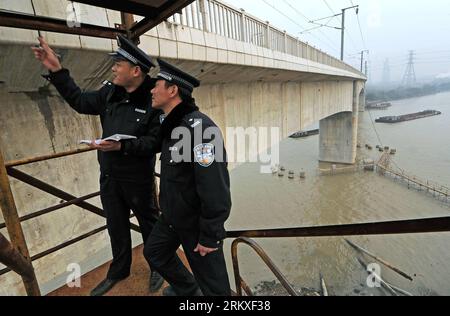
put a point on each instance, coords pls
(194, 194)
(127, 167)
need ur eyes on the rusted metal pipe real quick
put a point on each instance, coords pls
(21, 162)
(61, 246)
(11, 217)
(32, 22)
(417, 226)
(54, 208)
(12, 258)
(263, 255)
(19, 175)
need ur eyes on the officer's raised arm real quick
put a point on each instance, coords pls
(46, 56)
(92, 103)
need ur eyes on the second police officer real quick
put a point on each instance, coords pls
(194, 192)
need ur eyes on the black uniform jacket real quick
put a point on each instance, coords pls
(194, 194)
(120, 113)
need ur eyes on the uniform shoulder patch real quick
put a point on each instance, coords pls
(204, 154)
(196, 123)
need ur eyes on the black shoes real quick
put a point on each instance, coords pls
(169, 291)
(156, 281)
(104, 287)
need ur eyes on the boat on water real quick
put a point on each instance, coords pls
(305, 133)
(378, 106)
(407, 117)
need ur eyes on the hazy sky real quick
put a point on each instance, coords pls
(390, 28)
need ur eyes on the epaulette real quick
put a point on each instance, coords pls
(107, 83)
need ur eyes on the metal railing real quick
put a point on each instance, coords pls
(15, 260)
(417, 226)
(217, 17)
(240, 283)
(22, 264)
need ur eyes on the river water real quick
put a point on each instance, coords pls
(267, 201)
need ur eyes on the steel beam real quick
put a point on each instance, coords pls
(418, 226)
(19, 175)
(12, 258)
(165, 12)
(54, 208)
(21, 162)
(59, 247)
(32, 22)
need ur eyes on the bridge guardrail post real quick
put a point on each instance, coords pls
(243, 27)
(205, 15)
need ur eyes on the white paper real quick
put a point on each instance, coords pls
(114, 138)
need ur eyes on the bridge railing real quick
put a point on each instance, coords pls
(217, 17)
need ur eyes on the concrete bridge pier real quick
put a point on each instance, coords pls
(339, 132)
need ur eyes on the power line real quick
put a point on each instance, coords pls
(296, 10)
(290, 19)
(283, 14)
(329, 7)
(375, 129)
(308, 20)
(345, 29)
(360, 29)
(420, 54)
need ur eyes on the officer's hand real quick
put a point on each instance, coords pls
(46, 56)
(204, 251)
(106, 146)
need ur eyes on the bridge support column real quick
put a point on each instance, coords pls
(339, 133)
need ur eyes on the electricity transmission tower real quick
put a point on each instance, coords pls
(386, 73)
(410, 75)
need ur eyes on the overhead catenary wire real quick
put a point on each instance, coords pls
(290, 19)
(308, 20)
(360, 29)
(330, 43)
(345, 29)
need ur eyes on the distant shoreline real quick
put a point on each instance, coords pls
(406, 93)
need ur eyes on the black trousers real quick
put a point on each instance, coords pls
(210, 272)
(118, 198)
